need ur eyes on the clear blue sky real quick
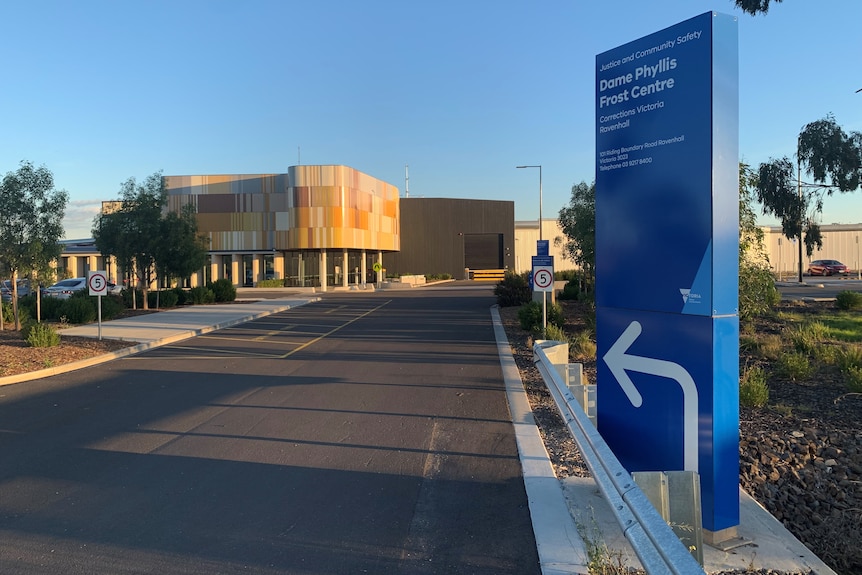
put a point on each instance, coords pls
(462, 91)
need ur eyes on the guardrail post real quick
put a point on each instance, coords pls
(676, 497)
(583, 392)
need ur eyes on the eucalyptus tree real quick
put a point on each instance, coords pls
(31, 224)
(754, 6)
(833, 159)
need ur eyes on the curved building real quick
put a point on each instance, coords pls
(315, 226)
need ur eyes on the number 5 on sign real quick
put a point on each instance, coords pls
(97, 282)
(543, 278)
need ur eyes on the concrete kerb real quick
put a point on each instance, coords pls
(560, 547)
(168, 339)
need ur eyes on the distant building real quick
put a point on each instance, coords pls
(448, 235)
(315, 226)
(840, 242)
(329, 226)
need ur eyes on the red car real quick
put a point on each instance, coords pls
(826, 268)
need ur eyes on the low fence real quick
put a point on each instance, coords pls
(659, 549)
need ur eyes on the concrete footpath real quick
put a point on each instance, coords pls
(174, 325)
(165, 327)
(555, 505)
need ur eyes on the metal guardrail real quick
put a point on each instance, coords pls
(659, 549)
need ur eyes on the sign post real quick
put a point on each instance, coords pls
(97, 282)
(543, 281)
(667, 185)
(543, 251)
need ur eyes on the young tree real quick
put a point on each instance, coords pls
(578, 222)
(182, 250)
(131, 232)
(114, 239)
(31, 223)
(152, 243)
(757, 291)
(833, 158)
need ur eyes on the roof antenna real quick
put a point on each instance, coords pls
(298, 161)
(406, 181)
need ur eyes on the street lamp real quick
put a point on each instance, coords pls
(544, 294)
(540, 196)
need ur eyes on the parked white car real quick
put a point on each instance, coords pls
(64, 289)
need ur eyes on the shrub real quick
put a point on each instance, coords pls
(133, 298)
(40, 335)
(807, 336)
(566, 275)
(757, 291)
(582, 346)
(556, 333)
(112, 305)
(848, 300)
(571, 291)
(51, 308)
(794, 366)
(753, 391)
(849, 356)
(27, 305)
(273, 283)
(162, 298)
(826, 354)
(223, 290)
(6, 310)
(555, 314)
(79, 310)
(201, 295)
(513, 290)
(770, 346)
(183, 296)
(530, 316)
(853, 379)
(748, 343)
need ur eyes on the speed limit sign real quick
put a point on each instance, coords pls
(97, 282)
(543, 278)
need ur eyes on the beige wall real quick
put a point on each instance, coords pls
(840, 242)
(526, 236)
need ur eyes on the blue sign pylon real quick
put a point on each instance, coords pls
(667, 249)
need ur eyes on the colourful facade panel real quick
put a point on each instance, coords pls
(309, 207)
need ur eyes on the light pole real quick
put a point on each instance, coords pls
(544, 294)
(858, 262)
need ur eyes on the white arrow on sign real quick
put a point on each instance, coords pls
(619, 362)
